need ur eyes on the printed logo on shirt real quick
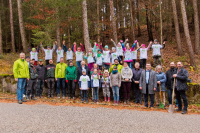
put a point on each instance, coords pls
(156, 47)
(79, 53)
(33, 54)
(104, 54)
(84, 80)
(48, 51)
(59, 52)
(128, 52)
(114, 56)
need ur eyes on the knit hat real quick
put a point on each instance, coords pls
(155, 40)
(83, 70)
(113, 48)
(106, 46)
(33, 49)
(70, 61)
(143, 45)
(99, 50)
(97, 45)
(79, 48)
(105, 71)
(115, 67)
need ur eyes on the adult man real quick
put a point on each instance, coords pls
(80, 68)
(50, 78)
(119, 67)
(41, 77)
(32, 83)
(48, 52)
(148, 84)
(136, 77)
(181, 76)
(169, 81)
(21, 74)
(60, 77)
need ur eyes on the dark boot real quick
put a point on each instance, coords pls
(128, 101)
(33, 97)
(27, 98)
(23, 100)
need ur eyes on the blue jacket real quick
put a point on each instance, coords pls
(162, 78)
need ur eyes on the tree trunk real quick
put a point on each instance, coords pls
(85, 26)
(132, 20)
(150, 34)
(1, 48)
(196, 24)
(58, 34)
(138, 17)
(178, 37)
(98, 26)
(68, 34)
(187, 34)
(161, 28)
(21, 25)
(11, 26)
(113, 21)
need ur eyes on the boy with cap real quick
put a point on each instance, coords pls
(34, 54)
(84, 85)
(41, 77)
(48, 52)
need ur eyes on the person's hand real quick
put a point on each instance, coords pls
(56, 79)
(151, 42)
(137, 82)
(140, 88)
(127, 40)
(120, 62)
(75, 80)
(154, 89)
(126, 79)
(66, 81)
(88, 88)
(111, 39)
(83, 54)
(158, 82)
(100, 43)
(16, 80)
(164, 42)
(45, 80)
(28, 79)
(80, 88)
(175, 75)
(81, 44)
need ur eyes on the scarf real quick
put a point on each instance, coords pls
(98, 55)
(114, 71)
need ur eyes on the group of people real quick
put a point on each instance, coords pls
(117, 69)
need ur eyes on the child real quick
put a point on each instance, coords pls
(84, 84)
(114, 55)
(69, 54)
(106, 85)
(59, 52)
(28, 60)
(134, 55)
(127, 53)
(95, 50)
(95, 84)
(119, 49)
(48, 52)
(106, 60)
(99, 59)
(79, 54)
(115, 83)
(90, 59)
(143, 55)
(34, 54)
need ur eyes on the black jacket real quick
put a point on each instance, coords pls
(32, 72)
(169, 75)
(136, 74)
(79, 72)
(181, 79)
(50, 71)
(41, 72)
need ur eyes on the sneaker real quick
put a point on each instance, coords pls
(63, 97)
(33, 98)
(24, 96)
(69, 97)
(184, 112)
(27, 98)
(58, 96)
(73, 98)
(49, 96)
(140, 102)
(20, 101)
(108, 99)
(23, 100)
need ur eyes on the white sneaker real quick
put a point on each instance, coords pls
(24, 96)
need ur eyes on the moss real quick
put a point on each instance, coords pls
(8, 80)
(6, 75)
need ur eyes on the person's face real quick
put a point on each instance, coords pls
(27, 59)
(61, 60)
(48, 49)
(159, 69)
(148, 66)
(69, 49)
(41, 62)
(56, 42)
(95, 66)
(114, 50)
(116, 62)
(22, 56)
(74, 43)
(34, 50)
(119, 45)
(137, 65)
(106, 74)
(32, 62)
(90, 50)
(127, 47)
(59, 48)
(172, 65)
(179, 65)
(79, 50)
(99, 52)
(143, 46)
(106, 49)
(95, 71)
(155, 42)
(125, 64)
(82, 64)
(84, 73)
(71, 64)
(50, 61)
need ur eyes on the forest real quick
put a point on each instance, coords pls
(26, 23)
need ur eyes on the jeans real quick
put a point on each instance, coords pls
(47, 62)
(106, 66)
(115, 90)
(146, 97)
(71, 88)
(182, 94)
(31, 87)
(24, 90)
(78, 63)
(127, 87)
(95, 93)
(169, 95)
(61, 80)
(40, 85)
(84, 95)
(143, 63)
(157, 58)
(138, 94)
(50, 85)
(20, 88)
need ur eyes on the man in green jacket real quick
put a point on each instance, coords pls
(71, 76)
(60, 76)
(119, 67)
(21, 74)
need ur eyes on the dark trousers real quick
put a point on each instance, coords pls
(50, 85)
(138, 94)
(169, 95)
(40, 85)
(146, 97)
(61, 81)
(133, 63)
(71, 88)
(127, 87)
(84, 95)
(47, 62)
(143, 63)
(157, 58)
(31, 87)
(182, 94)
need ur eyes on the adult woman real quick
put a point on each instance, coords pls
(127, 75)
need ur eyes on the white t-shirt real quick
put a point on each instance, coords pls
(90, 59)
(119, 51)
(99, 60)
(69, 55)
(114, 56)
(79, 56)
(48, 54)
(95, 80)
(156, 49)
(143, 53)
(106, 57)
(34, 55)
(128, 55)
(95, 52)
(84, 82)
(134, 55)
(59, 54)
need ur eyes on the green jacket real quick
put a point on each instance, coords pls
(60, 70)
(21, 69)
(119, 68)
(71, 73)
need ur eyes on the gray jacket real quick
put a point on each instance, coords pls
(115, 79)
(152, 82)
(126, 74)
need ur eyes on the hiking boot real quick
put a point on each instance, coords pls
(49, 96)
(27, 98)
(128, 101)
(108, 99)
(58, 96)
(33, 98)
(23, 100)
(178, 110)
(105, 99)
(140, 102)
(117, 102)
(184, 112)
(20, 101)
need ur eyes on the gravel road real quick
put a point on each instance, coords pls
(24, 118)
